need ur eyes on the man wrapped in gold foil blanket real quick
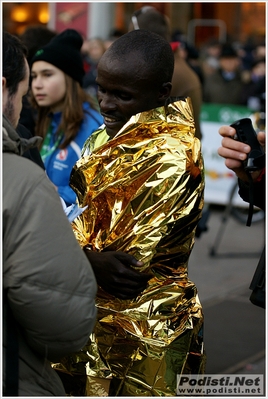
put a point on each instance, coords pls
(144, 191)
(143, 188)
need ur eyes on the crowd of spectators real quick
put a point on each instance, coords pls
(230, 72)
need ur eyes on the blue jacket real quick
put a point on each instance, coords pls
(60, 162)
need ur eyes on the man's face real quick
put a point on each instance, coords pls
(229, 64)
(124, 89)
(12, 104)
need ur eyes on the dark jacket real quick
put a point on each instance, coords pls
(259, 192)
(32, 153)
(28, 116)
(258, 281)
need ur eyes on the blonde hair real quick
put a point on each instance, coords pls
(72, 112)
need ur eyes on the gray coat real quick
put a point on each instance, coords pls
(48, 281)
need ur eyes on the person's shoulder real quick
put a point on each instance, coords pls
(184, 77)
(183, 65)
(92, 114)
(23, 131)
(25, 185)
(20, 168)
(90, 108)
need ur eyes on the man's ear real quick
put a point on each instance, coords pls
(4, 92)
(4, 82)
(164, 92)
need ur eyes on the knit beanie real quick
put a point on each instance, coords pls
(64, 52)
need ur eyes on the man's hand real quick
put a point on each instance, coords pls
(115, 275)
(236, 152)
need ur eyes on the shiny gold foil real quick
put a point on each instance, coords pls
(144, 191)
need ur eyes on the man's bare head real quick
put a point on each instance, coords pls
(151, 19)
(134, 75)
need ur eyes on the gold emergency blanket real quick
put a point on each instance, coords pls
(144, 191)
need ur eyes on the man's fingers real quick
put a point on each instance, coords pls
(227, 131)
(128, 259)
(262, 138)
(232, 155)
(127, 273)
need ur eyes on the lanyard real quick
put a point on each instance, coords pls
(47, 148)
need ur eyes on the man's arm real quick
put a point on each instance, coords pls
(115, 275)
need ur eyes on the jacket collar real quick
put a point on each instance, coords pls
(12, 142)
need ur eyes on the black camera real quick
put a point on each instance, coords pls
(246, 134)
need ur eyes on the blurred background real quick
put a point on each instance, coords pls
(226, 251)
(199, 22)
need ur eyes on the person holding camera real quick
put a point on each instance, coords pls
(235, 153)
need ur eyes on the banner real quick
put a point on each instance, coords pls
(71, 16)
(219, 179)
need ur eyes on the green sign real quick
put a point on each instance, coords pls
(224, 114)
